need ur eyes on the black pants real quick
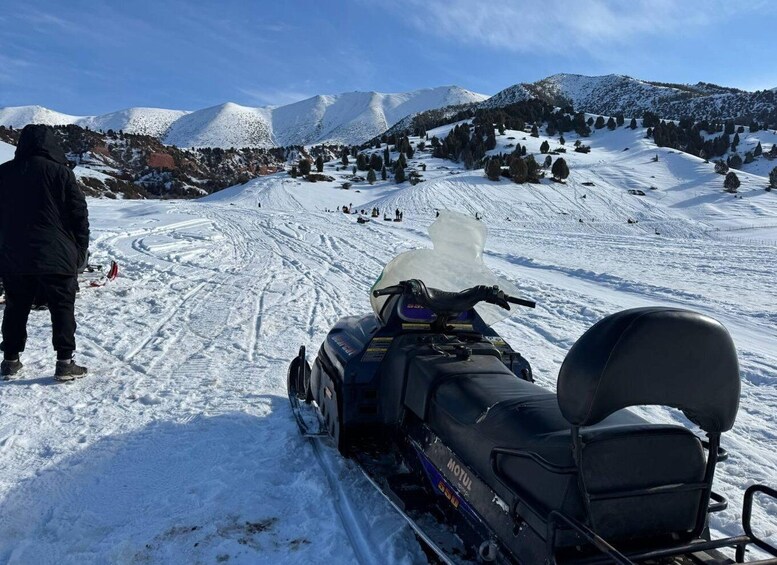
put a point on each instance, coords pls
(60, 293)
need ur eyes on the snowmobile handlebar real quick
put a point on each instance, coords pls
(444, 302)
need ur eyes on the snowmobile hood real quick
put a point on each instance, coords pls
(38, 140)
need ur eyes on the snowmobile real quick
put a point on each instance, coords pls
(445, 419)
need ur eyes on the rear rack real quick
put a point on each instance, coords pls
(738, 543)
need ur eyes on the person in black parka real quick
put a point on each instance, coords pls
(44, 237)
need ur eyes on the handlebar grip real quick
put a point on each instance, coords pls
(389, 290)
(521, 302)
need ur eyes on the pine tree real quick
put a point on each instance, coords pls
(304, 167)
(293, 171)
(758, 150)
(620, 119)
(518, 170)
(402, 161)
(399, 174)
(599, 124)
(383, 172)
(561, 140)
(633, 123)
(735, 161)
(721, 167)
(544, 147)
(611, 125)
(534, 131)
(749, 158)
(376, 161)
(493, 169)
(387, 156)
(371, 177)
(532, 169)
(344, 157)
(320, 164)
(773, 178)
(735, 142)
(548, 161)
(731, 184)
(560, 169)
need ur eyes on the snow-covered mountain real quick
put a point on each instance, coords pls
(351, 118)
(612, 94)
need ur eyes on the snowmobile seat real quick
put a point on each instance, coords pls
(514, 436)
(581, 453)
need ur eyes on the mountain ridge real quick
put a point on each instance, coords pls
(348, 117)
(613, 94)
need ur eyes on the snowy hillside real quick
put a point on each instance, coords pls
(611, 94)
(19, 116)
(351, 118)
(180, 446)
(143, 121)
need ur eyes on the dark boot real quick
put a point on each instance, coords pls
(9, 367)
(67, 370)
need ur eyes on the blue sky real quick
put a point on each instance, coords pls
(90, 57)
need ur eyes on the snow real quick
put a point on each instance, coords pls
(142, 121)
(352, 117)
(6, 151)
(180, 447)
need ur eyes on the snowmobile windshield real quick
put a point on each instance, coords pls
(454, 264)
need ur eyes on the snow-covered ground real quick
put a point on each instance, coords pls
(180, 447)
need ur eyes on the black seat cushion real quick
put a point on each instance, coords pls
(477, 405)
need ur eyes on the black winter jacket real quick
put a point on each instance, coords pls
(44, 223)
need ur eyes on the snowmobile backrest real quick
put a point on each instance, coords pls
(652, 356)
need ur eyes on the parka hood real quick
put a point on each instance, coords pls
(38, 140)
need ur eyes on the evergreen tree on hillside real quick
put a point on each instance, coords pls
(534, 131)
(735, 161)
(402, 161)
(371, 177)
(493, 169)
(773, 178)
(518, 170)
(749, 158)
(532, 170)
(620, 119)
(344, 157)
(560, 169)
(758, 150)
(735, 142)
(399, 174)
(611, 125)
(548, 161)
(383, 172)
(650, 120)
(544, 147)
(304, 167)
(387, 156)
(599, 124)
(720, 167)
(561, 140)
(376, 161)
(320, 164)
(731, 184)
(293, 171)
(633, 123)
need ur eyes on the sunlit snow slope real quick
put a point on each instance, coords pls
(180, 446)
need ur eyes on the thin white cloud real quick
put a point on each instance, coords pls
(274, 97)
(556, 26)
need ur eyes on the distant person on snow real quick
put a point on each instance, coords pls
(44, 237)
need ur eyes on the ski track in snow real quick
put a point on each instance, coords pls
(180, 447)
